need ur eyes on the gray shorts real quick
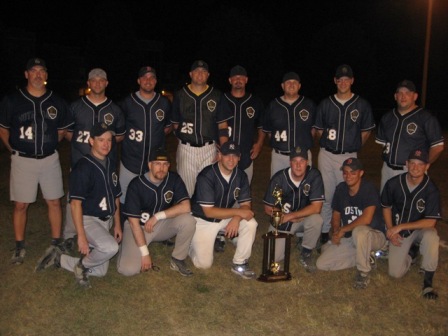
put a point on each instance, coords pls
(27, 174)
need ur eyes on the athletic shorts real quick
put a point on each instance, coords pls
(27, 174)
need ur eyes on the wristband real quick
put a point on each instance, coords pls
(144, 250)
(160, 215)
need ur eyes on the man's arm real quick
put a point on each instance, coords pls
(68, 135)
(4, 135)
(364, 136)
(435, 152)
(222, 127)
(365, 219)
(139, 237)
(244, 211)
(61, 134)
(311, 209)
(118, 233)
(256, 148)
(393, 237)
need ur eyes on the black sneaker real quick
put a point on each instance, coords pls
(413, 252)
(52, 256)
(180, 266)
(67, 245)
(361, 280)
(220, 243)
(18, 256)
(429, 293)
(82, 275)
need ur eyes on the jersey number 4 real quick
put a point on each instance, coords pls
(103, 204)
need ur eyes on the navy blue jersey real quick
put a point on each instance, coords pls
(401, 134)
(422, 202)
(198, 116)
(341, 125)
(247, 115)
(34, 122)
(145, 130)
(144, 199)
(290, 125)
(95, 185)
(213, 190)
(84, 115)
(310, 189)
(352, 207)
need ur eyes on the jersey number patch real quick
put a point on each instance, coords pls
(83, 136)
(281, 136)
(187, 128)
(103, 204)
(135, 135)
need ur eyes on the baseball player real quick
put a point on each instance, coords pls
(157, 208)
(32, 122)
(344, 122)
(147, 115)
(198, 123)
(411, 208)
(302, 198)
(288, 123)
(357, 223)
(404, 129)
(85, 113)
(219, 186)
(94, 199)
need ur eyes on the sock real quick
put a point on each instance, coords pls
(56, 241)
(427, 281)
(20, 244)
(325, 236)
(306, 251)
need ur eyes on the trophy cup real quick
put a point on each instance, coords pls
(271, 269)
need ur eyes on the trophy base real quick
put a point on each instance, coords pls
(280, 276)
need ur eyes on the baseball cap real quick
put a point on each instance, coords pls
(353, 163)
(298, 152)
(238, 70)
(100, 129)
(97, 72)
(344, 70)
(35, 61)
(146, 69)
(199, 64)
(406, 84)
(159, 154)
(290, 76)
(419, 154)
(230, 147)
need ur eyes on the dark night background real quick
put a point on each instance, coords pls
(383, 41)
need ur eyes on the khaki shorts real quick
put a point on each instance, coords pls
(27, 174)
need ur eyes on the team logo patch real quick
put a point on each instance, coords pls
(420, 205)
(52, 112)
(236, 193)
(411, 128)
(250, 112)
(168, 196)
(114, 179)
(306, 189)
(108, 119)
(160, 114)
(354, 115)
(304, 115)
(211, 105)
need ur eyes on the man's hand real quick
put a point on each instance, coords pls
(146, 263)
(83, 245)
(150, 224)
(232, 227)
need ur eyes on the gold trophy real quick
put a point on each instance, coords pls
(271, 269)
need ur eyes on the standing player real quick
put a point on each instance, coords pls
(157, 208)
(405, 128)
(196, 118)
(303, 195)
(288, 122)
(411, 208)
(94, 199)
(344, 122)
(32, 122)
(147, 115)
(219, 186)
(357, 223)
(85, 113)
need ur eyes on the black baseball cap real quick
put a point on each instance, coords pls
(419, 154)
(35, 61)
(344, 70)
(146, 69)
(100, 129)
(353, 163)
(290, 76)
(199, 64)
(406, 84)
(238, 70)
(298, 152)
(159, 154)
(230, 147)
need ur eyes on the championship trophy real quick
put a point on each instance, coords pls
(271, 269)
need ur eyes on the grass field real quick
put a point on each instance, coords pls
(215, 301)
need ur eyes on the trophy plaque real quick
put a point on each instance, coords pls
(272, 270)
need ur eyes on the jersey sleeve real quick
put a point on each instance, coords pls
(120, 126)
(205, 188)
(317, 192)
(180, 192)
(368, 121)
(337, 203)
(133, 206)
(80, 180)
(433, 131)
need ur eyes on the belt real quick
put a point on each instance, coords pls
(394, 167)
(104, 219)
(32, 156)
(337, 152)
(281, 152)
(196, 145)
